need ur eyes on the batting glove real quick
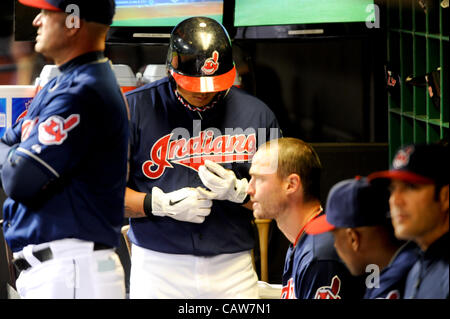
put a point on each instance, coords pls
(186, 204)
(223, 182)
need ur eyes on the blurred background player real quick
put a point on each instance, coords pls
(189, 131)
(419, 185)
(357, 215)
(285, 186)
(64, 165)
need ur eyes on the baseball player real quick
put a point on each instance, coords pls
(356, 213)
(419, 201)
(192, 135)
(64, 165)
(284, 186)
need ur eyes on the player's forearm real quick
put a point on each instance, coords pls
(22, 179)
(10, 138)
(134, 203)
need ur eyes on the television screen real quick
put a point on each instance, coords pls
(284, 12)
(164, 13)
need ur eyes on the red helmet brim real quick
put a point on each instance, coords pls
(405, 176)
(205, 84)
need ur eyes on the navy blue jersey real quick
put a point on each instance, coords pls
(75, 133)
(429, 277)
(393, 278)
(313, 270)
(168, 144)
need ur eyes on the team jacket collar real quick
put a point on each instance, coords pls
(80, 60)
(438, 249)
(318, 213)
(215, 112)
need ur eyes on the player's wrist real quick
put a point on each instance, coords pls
(148, 205)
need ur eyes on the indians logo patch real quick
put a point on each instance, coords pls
(54, 130)
(329, 292)
(193, 152)
(288, 291)
(211, 65)
(393, 294)
(402, 157)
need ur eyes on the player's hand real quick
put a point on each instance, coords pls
(223, 182)
(186, 204)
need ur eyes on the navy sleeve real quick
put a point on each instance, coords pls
(17, 169)
(13, 134)
(133, 141)
(49, 151)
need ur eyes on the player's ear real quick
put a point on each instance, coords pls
(293, 183)
(354, 238)
(72, 31)
(73, 24)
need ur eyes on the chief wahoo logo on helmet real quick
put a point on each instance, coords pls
(211, 65)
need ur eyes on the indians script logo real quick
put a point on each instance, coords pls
(330, 292)
(194, 151)
(235, 145)
(211, 65)
(55, 129)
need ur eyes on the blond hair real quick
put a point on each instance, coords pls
(298, 157)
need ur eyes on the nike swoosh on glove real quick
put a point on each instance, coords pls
(186, 204)
(223, 182)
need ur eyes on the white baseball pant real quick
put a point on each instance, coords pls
(76, 271)
(158, 275)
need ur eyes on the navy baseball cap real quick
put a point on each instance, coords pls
(418, 164)
(352, 203)
(101, 11)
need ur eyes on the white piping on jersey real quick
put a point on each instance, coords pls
(55, 87)
(36, 158)
(102, 60)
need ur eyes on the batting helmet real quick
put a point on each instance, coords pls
(200, 57)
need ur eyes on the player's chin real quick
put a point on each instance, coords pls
(403, 232)
(258, 213)
(255, 212)
(39, 48)
(403, 227)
